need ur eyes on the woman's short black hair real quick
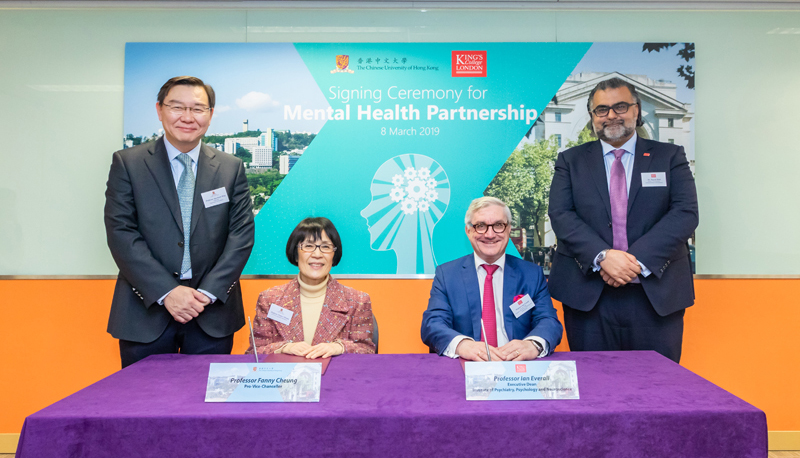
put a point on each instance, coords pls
(311, 228)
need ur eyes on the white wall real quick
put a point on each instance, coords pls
(62, 82)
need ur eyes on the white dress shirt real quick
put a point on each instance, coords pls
(497, 286)
(177, 170)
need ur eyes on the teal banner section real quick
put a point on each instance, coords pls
(410, 134)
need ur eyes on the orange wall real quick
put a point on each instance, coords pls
(743, 335)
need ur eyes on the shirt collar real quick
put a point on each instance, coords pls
(501, 263)
(629, 146)
(173, 152)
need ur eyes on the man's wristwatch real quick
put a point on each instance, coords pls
(537, 345)
(602, 256)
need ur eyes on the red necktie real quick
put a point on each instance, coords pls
(488, 313)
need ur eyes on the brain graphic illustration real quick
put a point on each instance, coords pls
(414, 189)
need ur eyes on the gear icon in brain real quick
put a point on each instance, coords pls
(397, 194)
(408, 206)
(431, 195)
(414, 190)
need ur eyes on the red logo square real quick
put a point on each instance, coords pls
(469, 63)
(521, 368)
(652, 175)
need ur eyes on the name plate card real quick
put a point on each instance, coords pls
(264, 382)
(511, 380)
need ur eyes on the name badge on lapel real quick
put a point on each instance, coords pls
(522, 305)
(654, 179)
(280, 314)
(215, 197)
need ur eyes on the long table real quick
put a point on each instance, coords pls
(632, 404)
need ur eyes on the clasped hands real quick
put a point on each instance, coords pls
(321, 350)
(619, 268)
(185, 303)
(516, 350)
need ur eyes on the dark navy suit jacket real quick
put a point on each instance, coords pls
(454, 307)
(660, 221)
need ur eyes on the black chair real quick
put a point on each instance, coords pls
(375, 333)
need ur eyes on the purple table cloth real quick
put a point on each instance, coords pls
(633, 404)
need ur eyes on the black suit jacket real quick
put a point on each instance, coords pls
(145, 235)
(660, 221)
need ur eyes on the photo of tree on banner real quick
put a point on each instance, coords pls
(664, 76)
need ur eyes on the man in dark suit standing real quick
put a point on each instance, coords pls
(508, 294)
(179, 225)
(623, 209)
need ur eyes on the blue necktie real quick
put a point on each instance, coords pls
(186, 198)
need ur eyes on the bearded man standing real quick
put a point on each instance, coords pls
(623, 209)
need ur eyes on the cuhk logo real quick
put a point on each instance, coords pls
(469, 63)
(521, 368)
(342, 64)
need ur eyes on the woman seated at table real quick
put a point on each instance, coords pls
(325, 318)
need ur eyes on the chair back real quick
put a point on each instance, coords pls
(375, 333)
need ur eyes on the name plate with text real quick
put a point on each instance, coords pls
(264, 382)
(511, 380)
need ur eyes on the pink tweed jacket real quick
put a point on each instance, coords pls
(346, 317)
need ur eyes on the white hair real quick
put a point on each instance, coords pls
(483, 202)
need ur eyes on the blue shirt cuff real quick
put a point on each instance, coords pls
(209, 295)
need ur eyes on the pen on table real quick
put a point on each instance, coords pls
(486, 341)
(252, 338)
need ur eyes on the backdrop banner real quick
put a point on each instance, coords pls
(391, 141)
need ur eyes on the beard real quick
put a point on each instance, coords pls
(614, 132)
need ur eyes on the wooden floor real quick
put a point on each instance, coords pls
(771, 455)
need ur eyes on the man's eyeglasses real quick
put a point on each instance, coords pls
(180, 109)
(619, 108)
(311, 247)
(481, 228)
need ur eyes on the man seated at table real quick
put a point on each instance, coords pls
(483, 286)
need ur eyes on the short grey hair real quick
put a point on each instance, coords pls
(483, 202)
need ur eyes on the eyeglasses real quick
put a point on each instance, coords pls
(481, 228)
(619, 108)
(308, 247)
(180, 109)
